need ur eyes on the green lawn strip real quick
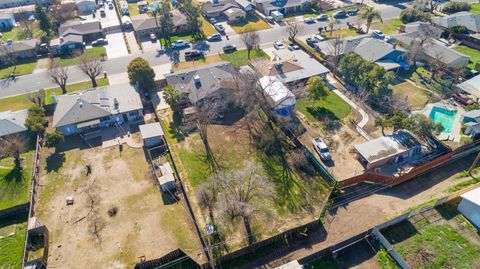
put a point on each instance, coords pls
(442, 245)
(92, 53)
(187, 37)
(473, 53)
(16, 33)
(475, 8)
(14, 182)
(19, 102)
(388, 27)
(462, 185)
(308, 48)
(11, 247)
(240, 57)
(251, 22)
(325, 262)
(385, 260)
(23, 67)
(330, 106)
(207, 27)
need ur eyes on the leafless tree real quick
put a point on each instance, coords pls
(91, 67)
(207, 196)
(293, 29)
(59, 75)
(420, 41)
(242, 190)
(331, 25)
(23, 18)
(8, 57)
(37, 97)
(299, 160)
(13, 146)
(438, 66)
(95, 221)
(335, 49)
(250, 39)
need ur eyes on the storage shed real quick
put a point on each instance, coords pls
(470, 206)
(152, 134)
(282, 99)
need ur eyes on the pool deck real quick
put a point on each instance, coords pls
(455, 133)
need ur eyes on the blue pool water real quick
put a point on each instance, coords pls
(443, 116)
(155, 5)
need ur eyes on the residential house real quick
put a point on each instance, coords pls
(86, 6)
(394, 148)
(472, 87)
(471, 116)
(234, 14)
(12, 122)
(144, 25)
(290, 67)
(470, 206)
(88, 31)
(246, 5)
(86, 112)
(69, 45)
(471, 119)
(217, 8)
(7, 21)
(203, 81)
(286, 7)
(281, 98)
(25, 49)
(21, 12)
(152, 134)
(17, 3)
(469, 20)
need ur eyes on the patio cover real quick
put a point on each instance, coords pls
(88, 123)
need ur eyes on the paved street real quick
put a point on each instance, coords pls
(38, 80)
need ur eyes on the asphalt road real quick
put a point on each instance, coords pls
(39, 80)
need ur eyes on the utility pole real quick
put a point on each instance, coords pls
(474, 164)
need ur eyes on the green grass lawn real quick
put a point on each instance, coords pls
(11, 246)
(475, 8)
(252, 22)
(325, 262)
(473, 53)
(330, 106)
(15, 182)
(187, 37)
(388, 27)
(21, 101)
(240, 57)
(417, 98)
(16, 33)
(92, 53)
(23, 67)
(207, 28)
(385, 261)
(342, 33)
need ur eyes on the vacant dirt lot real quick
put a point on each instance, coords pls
(84, 235)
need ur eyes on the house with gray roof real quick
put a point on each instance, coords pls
(24, 49)
(12, 122)
(144, 25)
(469, 20)
(286, 7)
(219, 8)
(88, 31)
(472, 87)
(91, 110)
(204, 81)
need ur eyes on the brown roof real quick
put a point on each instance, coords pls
(81, 28)
(145, 22)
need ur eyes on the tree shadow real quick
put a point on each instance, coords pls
(322, 113)
(15, 175)
(55, 161)
(399, 232)
(177, 129)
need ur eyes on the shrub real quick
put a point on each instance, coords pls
(52, 139)
(411, 15)
(454, 7)
(140, 73)
(459, 29)
(35, 121)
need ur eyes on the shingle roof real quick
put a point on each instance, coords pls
(149, 130)
(24, 45)
(145, 22)
(80, 28)
(210, 7)
(276, 4)
(472, 86)
(372, 49)
(12, 122)
(472, 113)
(467, 19)
(95, 103)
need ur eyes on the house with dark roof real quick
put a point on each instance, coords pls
(144, 25)
(231, 9)
(469, 20)
(90, 110)
(204, 81)
(25, 49)
(86, 31)
(286, 7)
(12, 122)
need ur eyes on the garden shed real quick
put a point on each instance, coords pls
(152, 134)
(470, 206)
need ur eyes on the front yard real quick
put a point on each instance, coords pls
(23, 67)
(17, 34)
(239, 57)
(252, 22)
(96, 53)
(388, 27)
(12, 239)
(15, 181)
(473, 53)
(475, 8)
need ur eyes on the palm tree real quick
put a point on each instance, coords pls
(369, 15)
(155, 13)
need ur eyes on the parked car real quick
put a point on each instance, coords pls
(215, 37)
(179, 44)
(229, 48)
(321, 148)
(293, 47)
(110, 5)
(219, 27)
(278, 45)
(339, 14)
(352, 12)
(390, 39)
(309, 20)
(213, 20)
(378, 34)
(153, 37)
(102, 12)
(270, 19)
(319, 38)
(99, 42)
(193, 55)
(311, 41)
(322, 17)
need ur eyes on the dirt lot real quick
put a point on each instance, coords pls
(142, 226)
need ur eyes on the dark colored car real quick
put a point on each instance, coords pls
(99, 42)
(311, 42)
(193, 55)
(229, 48)
(352, 12)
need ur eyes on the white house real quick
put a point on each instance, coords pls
(283, 100)
(470, 206)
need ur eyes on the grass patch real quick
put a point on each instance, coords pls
(342, 33)
(475, 8)
(191, 64)
(331, 106)
(422, 205)
(21, 101)
(11, 246)
(251, 22)
(17, 34)
(417, 98)
(388, 27)
(385, 260)
(462, 185)
(92, 53)
(23, 67)
(207, 28)
(308, 48)
(187, 37)
(240, 57)
(325, 262)
(473, 53)
(15, 182)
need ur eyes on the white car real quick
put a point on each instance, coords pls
(322, 17)
(278, 45)
(319, 38)
(378, 34)
(309, 20)
(322, 149)
(179, 44)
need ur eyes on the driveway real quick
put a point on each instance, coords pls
(116, 45)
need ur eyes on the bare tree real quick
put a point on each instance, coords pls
(336, 47)
(91, 67)
(331, 25)
(13, 146)
(59, 75)
(207, 196)
(419, 42)
(23, 18)
(250, 39)
(438, 66)
(95, 221)
(8, 57)
(293, 29)
(38, 97)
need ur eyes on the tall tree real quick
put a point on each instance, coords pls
(370, 14)
(35, 121)
(250, 39)
(172, 96)
(293, 29)
(8, 57)
(42, 18)
(91, 67)
(37, 97)
(193, 13)
(166, 22)
(13, 146)
(23, 18)
(141, 74)
(155, 13)
(316, 89)
(58, 75)
(331, 24)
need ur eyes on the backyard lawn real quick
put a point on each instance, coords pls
(475, 8)
(12, 240)
(473, 53)
(23, 67)
(252, 22)
(92, 53)
(331, 106)
(388, 27)
(16, 33)
(417, 98)
(14, 181)
(239, 57)
(18, 102)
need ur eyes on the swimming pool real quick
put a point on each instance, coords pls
(443, 116)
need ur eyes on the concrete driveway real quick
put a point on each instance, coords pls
(116, 45)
